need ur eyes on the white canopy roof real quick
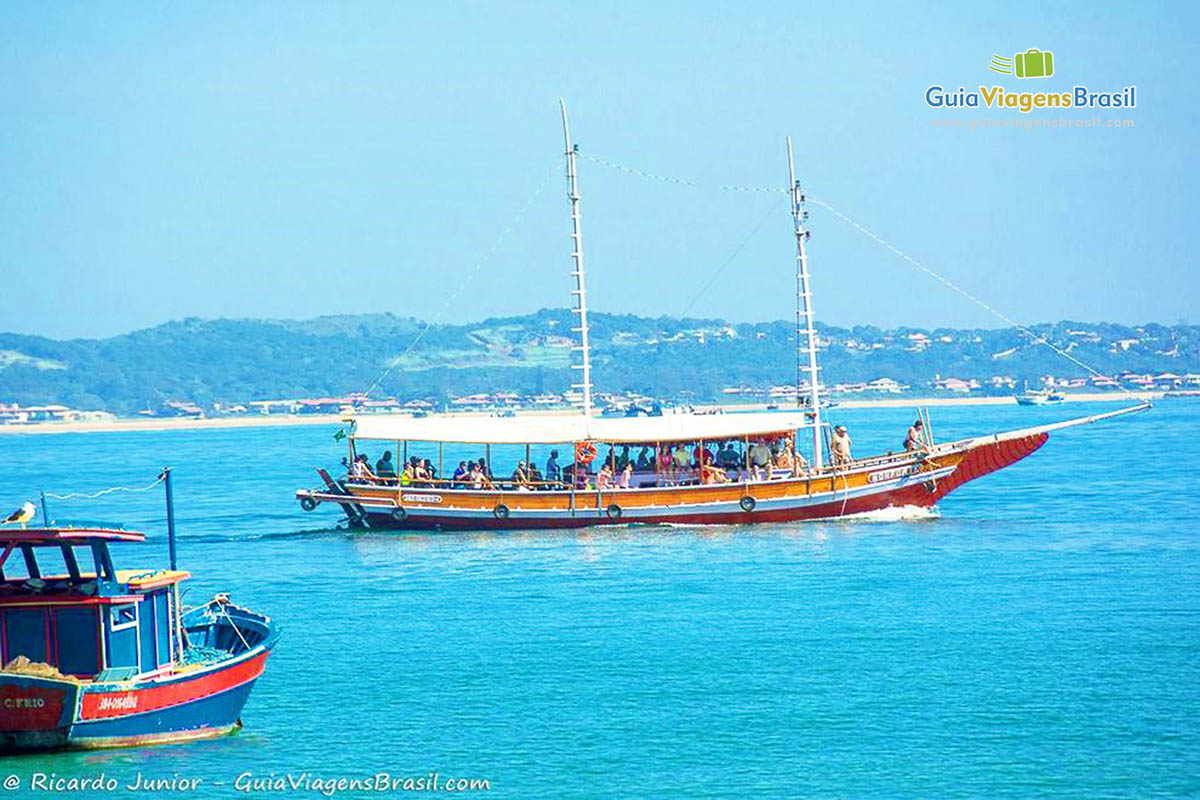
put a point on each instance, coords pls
(557, 429)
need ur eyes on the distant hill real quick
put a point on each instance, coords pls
(235, 361)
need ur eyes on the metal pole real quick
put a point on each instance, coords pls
(170, 514)
(580, 290)
(804, 309)
(45, 513)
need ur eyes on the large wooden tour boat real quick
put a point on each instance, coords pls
(782, 467)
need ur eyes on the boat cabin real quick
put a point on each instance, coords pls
(662, 451)
(64, 604)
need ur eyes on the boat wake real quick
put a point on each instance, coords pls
(893, 514)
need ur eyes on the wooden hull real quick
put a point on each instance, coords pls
(42, 713)
(892, 481)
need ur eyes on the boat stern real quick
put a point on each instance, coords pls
(36, 713)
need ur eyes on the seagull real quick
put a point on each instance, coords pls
(21, 515)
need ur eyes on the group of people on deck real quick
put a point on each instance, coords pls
(416, 471)
(680, 463)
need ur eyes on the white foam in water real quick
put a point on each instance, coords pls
(893, 514)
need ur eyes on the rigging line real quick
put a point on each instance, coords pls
(1035, 338)
(682, 181)
(732, 256)
(462, 284)
(102, 492)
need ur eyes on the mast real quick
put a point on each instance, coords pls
(804, 312)
(580, 290)
(166, 477)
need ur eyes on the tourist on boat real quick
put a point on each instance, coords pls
(643, 460)
(359, 470)
(783, 460)
(760, 460)
(581, 472)
(623, 460)
(626, 476)
(520, 477)
(479, 477)
(416, 472)
(727, 457)
(915, 440)
(553, 470)
(604, 477)
(839, 445)
(711, 474)
(535, 477)
(384, 469)
(460, 475)
(666, 461)
(430, 470)
(701, 455)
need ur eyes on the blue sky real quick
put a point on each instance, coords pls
(162, 160)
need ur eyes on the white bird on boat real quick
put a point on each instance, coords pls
(22, 515)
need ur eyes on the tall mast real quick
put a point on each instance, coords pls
(804, 312)
(580, 290)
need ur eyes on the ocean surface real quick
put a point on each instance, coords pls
(1038, 635)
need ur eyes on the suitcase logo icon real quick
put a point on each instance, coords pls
(1033, 63)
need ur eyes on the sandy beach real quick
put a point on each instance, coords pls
(283, 420)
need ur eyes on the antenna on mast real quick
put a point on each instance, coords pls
(580, 290)
(804, 312)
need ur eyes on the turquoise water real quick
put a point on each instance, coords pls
(1041, 636)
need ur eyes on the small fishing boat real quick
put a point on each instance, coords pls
(103, 657)
(732, 468)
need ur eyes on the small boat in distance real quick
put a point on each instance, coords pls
(103, 657)
(1039, 397)
(732, 468)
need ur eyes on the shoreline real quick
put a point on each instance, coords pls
(285, 420)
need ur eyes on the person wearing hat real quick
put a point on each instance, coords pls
(839, 446)
(915, 440)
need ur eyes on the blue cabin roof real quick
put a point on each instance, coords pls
(93, 620)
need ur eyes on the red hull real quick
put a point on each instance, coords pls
(980, 460)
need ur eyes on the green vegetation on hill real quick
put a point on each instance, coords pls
(235, 361)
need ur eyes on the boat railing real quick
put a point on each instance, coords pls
(667, 478)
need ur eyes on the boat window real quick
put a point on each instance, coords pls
(50, 562)
(14, 567)
(123, 616)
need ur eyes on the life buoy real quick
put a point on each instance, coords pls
(500, 511)
(585, 452)
(307, 503)
(747, 503)
(399, 514)
(613, 511)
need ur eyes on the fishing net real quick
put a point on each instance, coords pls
(201, 654)
(35, 669)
